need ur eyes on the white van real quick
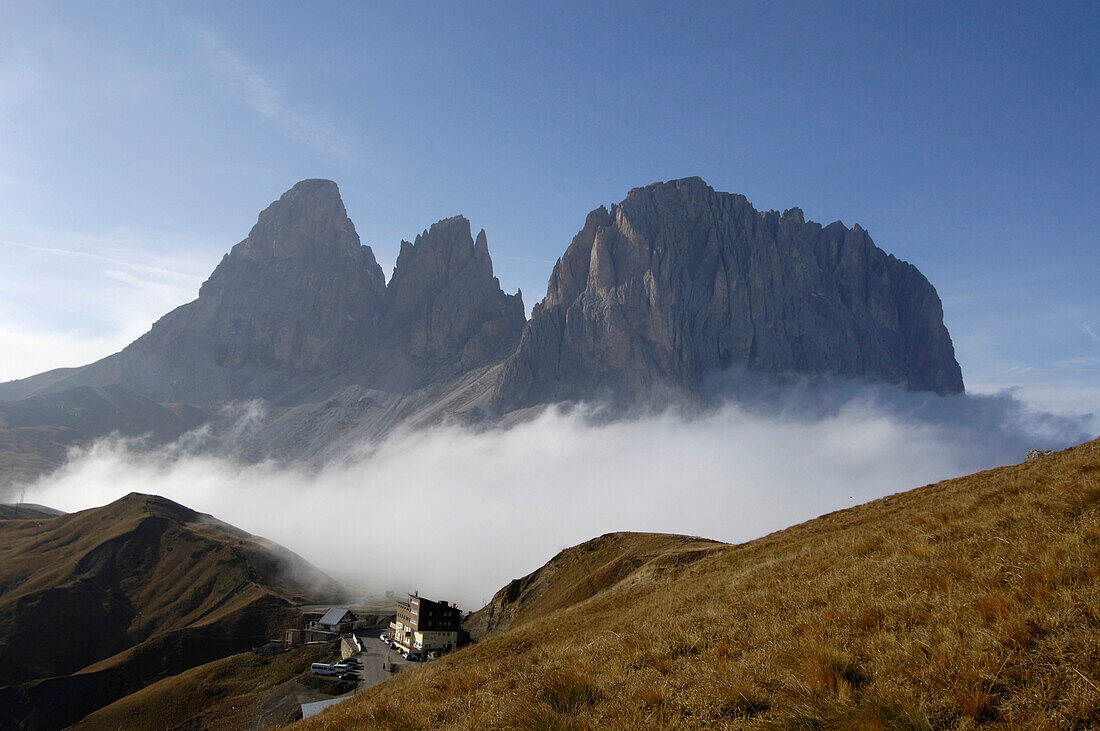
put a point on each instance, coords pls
(323, 668)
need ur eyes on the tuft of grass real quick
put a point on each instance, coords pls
(525, 715)
(977, 704)
(390, 716)
(993, 607)
(651, 696)
(870, 618)
(833, 671)
(663, 665)
(567, 691)
(1088, 499)
(739, 700)
(871, 716)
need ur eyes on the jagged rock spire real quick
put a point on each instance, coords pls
(443, 301)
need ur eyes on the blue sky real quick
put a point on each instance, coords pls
(138, 141)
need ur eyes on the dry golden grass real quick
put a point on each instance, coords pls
(968, 602)
(581, 572)
(108, 600)
(226, 693)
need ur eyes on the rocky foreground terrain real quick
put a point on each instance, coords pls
(654, 297)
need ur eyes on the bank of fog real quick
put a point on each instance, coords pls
(456, 514)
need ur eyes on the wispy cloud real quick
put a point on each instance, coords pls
(1081, 363)
(68, 298)
(1089, 331)
(256, 91)
(128, 262)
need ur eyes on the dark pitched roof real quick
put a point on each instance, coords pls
(336, 615)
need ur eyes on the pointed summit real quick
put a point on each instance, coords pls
(443, 300)
(298, 295)
(307, 220)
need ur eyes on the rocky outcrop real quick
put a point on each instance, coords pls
(679, 281)
(299, 294)
(444, 303)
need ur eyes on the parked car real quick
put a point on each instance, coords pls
(384, 638)
(411, 657)
(349, 676)
(323, 668)
(352, 662)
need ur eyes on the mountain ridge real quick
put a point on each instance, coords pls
(672, 285)
(158, 587)
(680, 280)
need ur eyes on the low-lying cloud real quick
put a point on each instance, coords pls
(457, 513)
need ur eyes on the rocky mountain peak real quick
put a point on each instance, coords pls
(655, 294)
(299, 294)
(443, 301)
(569, 276)
(481, 250)
(680, 280)
(438, 253)
(309, 220)
(794, 215)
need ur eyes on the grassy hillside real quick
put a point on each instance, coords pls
(226, 693)
(968, 602)
(96, 604)
(27, 511)
(581, 572)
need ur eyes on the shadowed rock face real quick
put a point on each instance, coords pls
(679, 280)
(444, 303)
(299, 294)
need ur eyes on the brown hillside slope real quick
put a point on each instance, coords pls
(580, 572)
(970, 601)
(27, 511)
(96, 604)
(224, 694)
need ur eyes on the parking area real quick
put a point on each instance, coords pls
(378, 659)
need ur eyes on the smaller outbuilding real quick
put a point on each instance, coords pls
(338, 619)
